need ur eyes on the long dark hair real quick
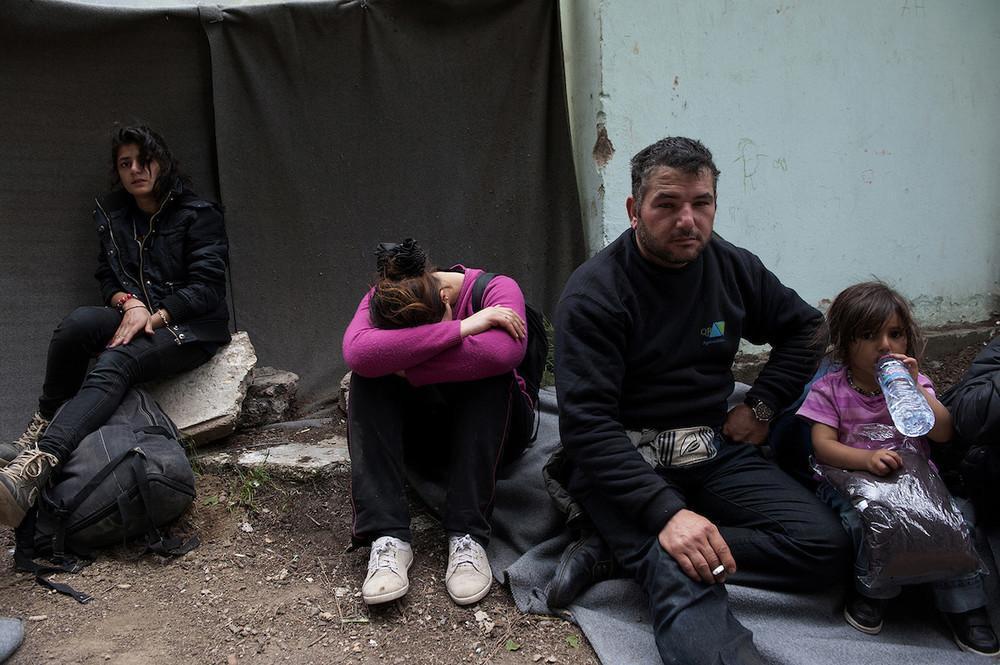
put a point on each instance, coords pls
(406, 292)
(151, 147)
(862, 309)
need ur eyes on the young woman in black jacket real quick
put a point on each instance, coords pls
(161, 269)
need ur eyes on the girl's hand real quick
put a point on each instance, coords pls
(911, 363)
(884, 462)
(135, 318)
(496, 316)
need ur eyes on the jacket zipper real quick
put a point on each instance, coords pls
(118, 251)
(142, 250)
(142, 245)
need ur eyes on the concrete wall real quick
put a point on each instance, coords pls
(856, 138)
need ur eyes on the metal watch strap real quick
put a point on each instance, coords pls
(761, 410)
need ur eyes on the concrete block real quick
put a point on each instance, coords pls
(269, 397)
(205, 402)
(294, 461)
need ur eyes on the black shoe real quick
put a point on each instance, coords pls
(973, 633)
(585, 562)
(864, 613)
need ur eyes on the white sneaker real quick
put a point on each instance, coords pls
(469, 577)
(388, 563)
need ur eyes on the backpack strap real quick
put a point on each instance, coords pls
(65, 510)
(479, 288)
(24, 560)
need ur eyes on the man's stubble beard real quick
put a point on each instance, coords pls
(665, 255)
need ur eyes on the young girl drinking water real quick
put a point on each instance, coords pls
(868, 321)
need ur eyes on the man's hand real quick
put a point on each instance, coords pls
(741, 425)
(697, 546)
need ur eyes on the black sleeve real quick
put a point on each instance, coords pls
(776, 315)
(974, 402)
(206, 253)
(590, 367)
(106, 276)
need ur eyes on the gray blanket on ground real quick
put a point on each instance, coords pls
(789, 629)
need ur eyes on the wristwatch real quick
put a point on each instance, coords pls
(761, 411)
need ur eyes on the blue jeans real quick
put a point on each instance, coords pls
(959, 594)
(781, 538)
(82, 399)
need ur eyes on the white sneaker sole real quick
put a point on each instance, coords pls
(391, 595)
(474, 598)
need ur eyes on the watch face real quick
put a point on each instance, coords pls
(762, 411)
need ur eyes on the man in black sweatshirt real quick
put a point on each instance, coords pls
(647, 331)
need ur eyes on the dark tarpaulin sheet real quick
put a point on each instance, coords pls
(324, 128)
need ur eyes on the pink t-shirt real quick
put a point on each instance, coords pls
(861, 421)
(437, 352)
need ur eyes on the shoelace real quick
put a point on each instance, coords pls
(462, 553)
(33, 432)
(385, 558)
(29, 464)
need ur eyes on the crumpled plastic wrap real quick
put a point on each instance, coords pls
(913, 530)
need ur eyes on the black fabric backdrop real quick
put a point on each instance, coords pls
(324, 128)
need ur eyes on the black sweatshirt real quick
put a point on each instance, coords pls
(974, 401)
(641, 346)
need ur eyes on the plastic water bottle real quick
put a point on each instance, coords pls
(911, 414)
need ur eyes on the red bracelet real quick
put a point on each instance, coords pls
(121, 302)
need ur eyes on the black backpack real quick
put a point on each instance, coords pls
(533, 365)
(127, 479)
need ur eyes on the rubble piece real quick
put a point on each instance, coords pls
(344, 395)
(205, 402)
(295, 461)
(269, 397)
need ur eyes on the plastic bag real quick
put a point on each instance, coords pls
(913, 530)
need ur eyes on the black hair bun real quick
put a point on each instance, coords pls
(398, 261)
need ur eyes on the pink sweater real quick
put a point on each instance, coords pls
(437, 352)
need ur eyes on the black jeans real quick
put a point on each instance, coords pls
(780, 535)
(88, 397)
(459, 433)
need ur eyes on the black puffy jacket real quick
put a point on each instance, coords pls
(180, 264)
(974, 402)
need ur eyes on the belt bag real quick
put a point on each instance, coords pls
(675, 447)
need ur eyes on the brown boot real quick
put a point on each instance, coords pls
(21, 481)
(32, 435)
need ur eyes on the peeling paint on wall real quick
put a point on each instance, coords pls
(604, 150)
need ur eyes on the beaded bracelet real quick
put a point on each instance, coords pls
(164, 316)
(121, 302)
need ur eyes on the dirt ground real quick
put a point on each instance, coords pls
(273, 582)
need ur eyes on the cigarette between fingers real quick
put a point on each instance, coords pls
(718, 570)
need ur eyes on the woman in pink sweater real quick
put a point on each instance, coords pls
(434, 384)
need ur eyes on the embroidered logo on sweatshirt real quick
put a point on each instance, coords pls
(714, 333)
